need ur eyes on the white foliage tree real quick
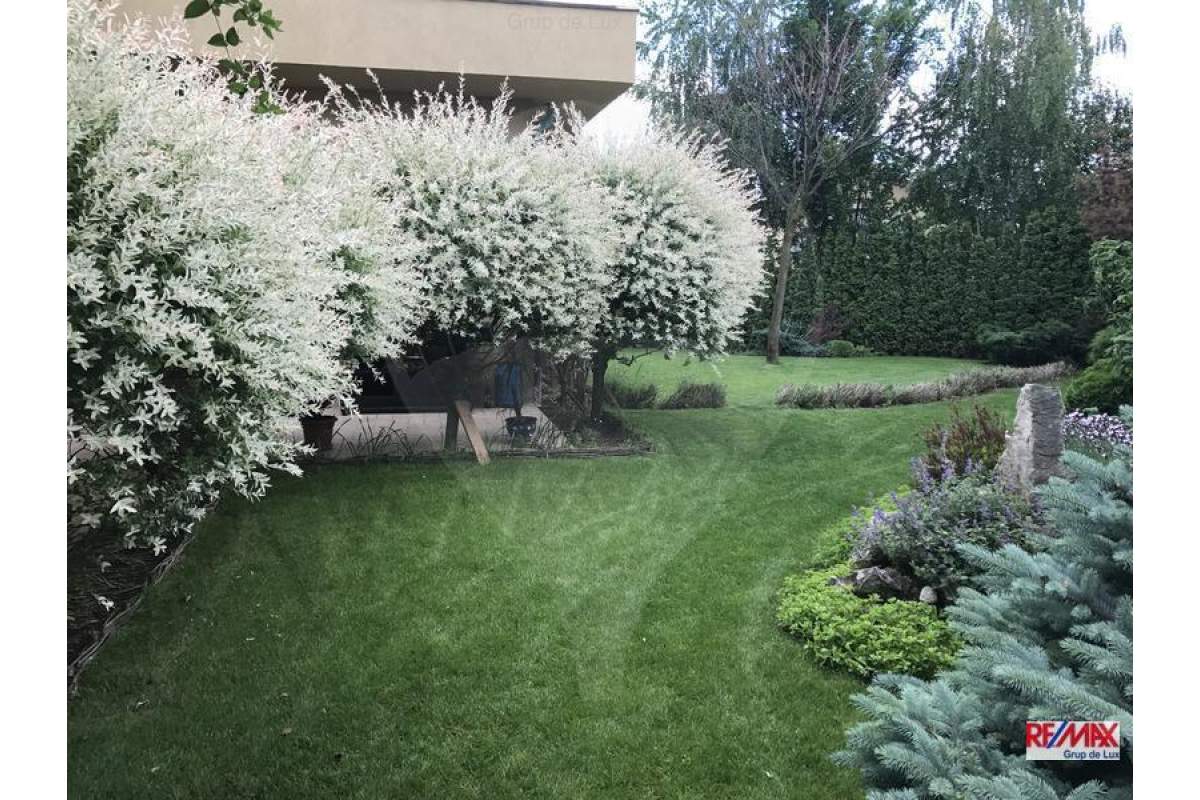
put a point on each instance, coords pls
(511, 235)
(690, 258)
(221, 266)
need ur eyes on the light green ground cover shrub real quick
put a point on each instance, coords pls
(864, 636)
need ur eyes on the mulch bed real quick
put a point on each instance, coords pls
(102, 567)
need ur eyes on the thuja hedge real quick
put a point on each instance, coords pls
(908, 287)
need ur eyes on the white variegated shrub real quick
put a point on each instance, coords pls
(512, 236)
(221, 266)
(226, 269)
(690, 259)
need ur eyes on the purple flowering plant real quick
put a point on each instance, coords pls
(922, 533)
(1095, 434)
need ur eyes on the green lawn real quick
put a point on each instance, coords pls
(751, 382)
(531, 629)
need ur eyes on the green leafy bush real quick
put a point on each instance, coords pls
(696, 395)
(1102, 386)
(966, 442)
(1037, 344)
(1112, 294)
(864, 636)
(840, 348)
(1101, 342)
(1107, 383)
(633, 396)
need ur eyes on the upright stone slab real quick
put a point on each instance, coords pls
(1032, 452)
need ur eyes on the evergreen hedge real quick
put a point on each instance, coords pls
(907, 287)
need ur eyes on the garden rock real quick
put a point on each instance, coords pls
(867, 550)
(928, 595)
(1033, 449)
(883, 581)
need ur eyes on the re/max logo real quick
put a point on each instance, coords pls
(1072, 740)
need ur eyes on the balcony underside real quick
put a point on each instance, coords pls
(398, 85)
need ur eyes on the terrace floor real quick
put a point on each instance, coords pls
(400, 435)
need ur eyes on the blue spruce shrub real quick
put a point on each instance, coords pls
(1048, 635)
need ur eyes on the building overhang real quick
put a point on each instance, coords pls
(549, 52)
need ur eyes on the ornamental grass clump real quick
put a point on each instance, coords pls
(633, 396)
(859, 395)
(873, 395)
(696, 395)
(802, 395)
(989, 379)
(839, 395)
(220, 266)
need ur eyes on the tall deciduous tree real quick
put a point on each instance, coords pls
(1106, 183)
(1001, 129)
(803, 90)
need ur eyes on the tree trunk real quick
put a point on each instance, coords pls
(600, 359)
(783, 268)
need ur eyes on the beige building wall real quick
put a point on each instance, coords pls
(549, 52)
